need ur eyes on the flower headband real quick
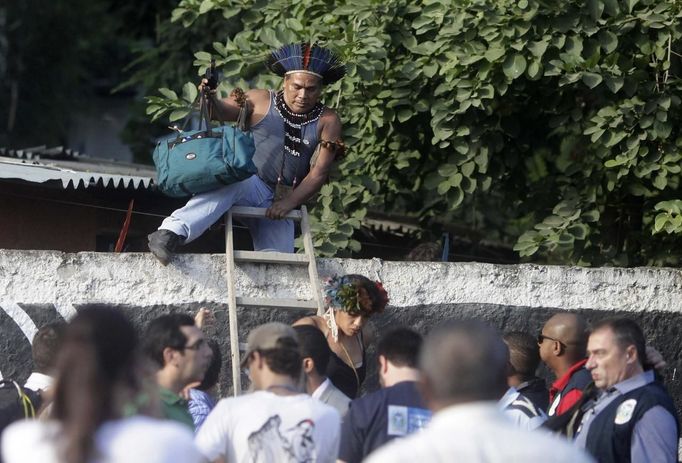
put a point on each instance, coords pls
(349, 295)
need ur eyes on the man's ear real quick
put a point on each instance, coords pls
(169, 355)
(383, 364)
(558, 348)
(631, 354)
(308, 365)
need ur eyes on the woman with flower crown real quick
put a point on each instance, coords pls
(350, 301)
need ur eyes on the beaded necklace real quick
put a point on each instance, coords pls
(293, 123)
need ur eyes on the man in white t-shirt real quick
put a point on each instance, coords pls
(277, 422)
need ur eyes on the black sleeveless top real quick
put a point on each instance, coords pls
(342, 375)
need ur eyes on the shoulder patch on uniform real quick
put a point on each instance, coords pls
(406, 420)
(625, 411)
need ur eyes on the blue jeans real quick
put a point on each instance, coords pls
(204, 209)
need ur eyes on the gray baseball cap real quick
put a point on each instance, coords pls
(266, 337)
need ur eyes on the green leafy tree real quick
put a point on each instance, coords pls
(550, 124)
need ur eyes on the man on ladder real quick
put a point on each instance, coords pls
(288, 127)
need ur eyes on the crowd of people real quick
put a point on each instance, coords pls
(464, 392)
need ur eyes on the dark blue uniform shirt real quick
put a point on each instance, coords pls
(379, 417)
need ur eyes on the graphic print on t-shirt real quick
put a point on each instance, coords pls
(293, 445)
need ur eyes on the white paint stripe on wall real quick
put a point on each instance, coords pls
(21, 318)
(66, 310)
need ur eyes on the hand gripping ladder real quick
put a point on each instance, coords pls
(233, 256)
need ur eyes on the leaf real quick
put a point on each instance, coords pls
(468, 168)
(404, 114)
(494, 53)
(590, 216)
(538, 48)
(534, 70)
(614, 83)
(203, 56)
(293, 24)
(553, 221)
(178, 114)
(514, 66)
(168, 93)
(206, 6)
(596, 8)
(630, 4)
(189, 92)
(659, 223)
(579, 231)
(608, 41)
(591, 79)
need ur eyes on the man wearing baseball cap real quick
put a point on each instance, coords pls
(277, 421)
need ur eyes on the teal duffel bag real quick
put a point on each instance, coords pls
(203, 160)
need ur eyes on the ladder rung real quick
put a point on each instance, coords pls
(295, 304)
(270, 257)
(259, 212)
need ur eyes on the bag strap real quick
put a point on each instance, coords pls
(350, 363)
(27, 404)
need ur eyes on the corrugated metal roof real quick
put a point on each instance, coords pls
(74, 171)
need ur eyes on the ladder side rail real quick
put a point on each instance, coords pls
(312, 265)
(232, 305)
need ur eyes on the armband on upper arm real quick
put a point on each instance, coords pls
(239, 96)
(337, 147)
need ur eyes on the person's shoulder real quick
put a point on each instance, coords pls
(338, 394)
(24, 431)
(260, 98)
(23, 435)
(544, 443)
(163, 441)
(258, 93)
(134, 426)
(312, 320)
(329, 116)
(370, 403)
(397, 450)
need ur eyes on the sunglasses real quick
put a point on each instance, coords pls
(542, 337)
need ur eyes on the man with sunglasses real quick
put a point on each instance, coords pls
(563, 343)
(178, 348)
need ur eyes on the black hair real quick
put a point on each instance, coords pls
(401, 347)
(314, 345)
(45, 347)
(285, 358)
(464, 361)
(97, 360)
(627, 333)
(524, 353)
(164, 331)
(212, 374)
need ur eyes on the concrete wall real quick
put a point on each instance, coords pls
(38, 286)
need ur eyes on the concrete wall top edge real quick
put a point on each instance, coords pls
(137, 278)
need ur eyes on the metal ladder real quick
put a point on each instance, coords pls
(232, 256)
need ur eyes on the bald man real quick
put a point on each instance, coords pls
(563, 343)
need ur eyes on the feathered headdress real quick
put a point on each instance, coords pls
(306, 57)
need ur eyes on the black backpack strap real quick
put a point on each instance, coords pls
(568, 422)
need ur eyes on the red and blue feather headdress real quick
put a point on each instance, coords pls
(308, 58)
